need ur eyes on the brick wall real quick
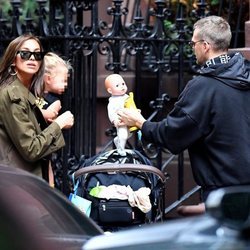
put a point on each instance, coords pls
(245, 50)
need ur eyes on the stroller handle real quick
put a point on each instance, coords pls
(126, 167)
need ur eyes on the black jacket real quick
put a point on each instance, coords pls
(212, 120)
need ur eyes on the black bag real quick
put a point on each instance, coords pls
(114, 212)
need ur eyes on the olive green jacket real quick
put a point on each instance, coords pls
(23, 142)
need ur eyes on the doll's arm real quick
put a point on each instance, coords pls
(112, 114)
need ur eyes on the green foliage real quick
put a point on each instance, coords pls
(26, 5)
(214, 2)
(5, 6)
(170, 29)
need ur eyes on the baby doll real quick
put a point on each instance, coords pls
(116, 86)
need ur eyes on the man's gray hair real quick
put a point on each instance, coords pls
(215, 30)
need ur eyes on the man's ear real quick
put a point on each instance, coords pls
(207, 46)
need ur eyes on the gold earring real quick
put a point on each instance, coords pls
(11, 70)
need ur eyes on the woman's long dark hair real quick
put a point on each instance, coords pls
(37, 85)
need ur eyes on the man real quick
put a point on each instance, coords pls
(212, 115)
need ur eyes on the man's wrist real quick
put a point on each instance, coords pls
(139, 123)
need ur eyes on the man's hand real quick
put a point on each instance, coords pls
(131, 117)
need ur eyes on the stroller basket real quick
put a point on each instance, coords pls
(116, 213)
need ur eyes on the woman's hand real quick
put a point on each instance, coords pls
(65, 120)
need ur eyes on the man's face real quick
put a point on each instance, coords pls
(198, 48)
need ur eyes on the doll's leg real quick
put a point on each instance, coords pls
(121, 140)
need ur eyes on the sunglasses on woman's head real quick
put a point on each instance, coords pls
(26, 55)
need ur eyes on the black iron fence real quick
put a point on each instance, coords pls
(141, 37)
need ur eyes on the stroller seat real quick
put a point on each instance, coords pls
(114, 214)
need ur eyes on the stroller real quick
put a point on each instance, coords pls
(132, 172)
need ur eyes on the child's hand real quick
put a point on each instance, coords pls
(53, 110)
(55, 107)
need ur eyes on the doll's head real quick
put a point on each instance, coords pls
(115, 85)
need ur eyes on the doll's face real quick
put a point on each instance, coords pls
(117, 86)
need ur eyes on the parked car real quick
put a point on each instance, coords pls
(226, 225)
(35, 216)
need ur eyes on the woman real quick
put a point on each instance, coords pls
(26, 140)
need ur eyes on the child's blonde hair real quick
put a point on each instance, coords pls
(52, 60)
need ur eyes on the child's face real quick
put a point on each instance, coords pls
(118, 87)
(58, 80)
